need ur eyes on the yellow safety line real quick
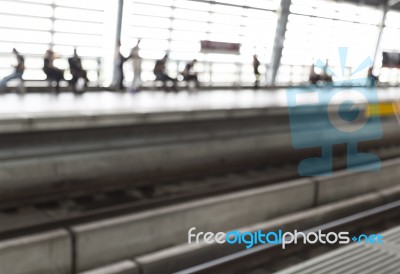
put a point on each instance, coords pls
(382, 109)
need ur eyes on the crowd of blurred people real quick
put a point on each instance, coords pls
(325, 78)
(53, 74)
(80, 80)
(159, 70)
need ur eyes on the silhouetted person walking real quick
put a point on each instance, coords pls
(161, 75)
(53, 73)
(256, 64)
(137, 67)
(326, 77)
(314, 77)
(119, 68)
(189, 74)
(372, 79)
(18, 72)
(77, 71)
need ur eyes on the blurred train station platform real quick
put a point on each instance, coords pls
(199, 136)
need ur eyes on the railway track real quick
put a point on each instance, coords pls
(85, 219)
(102, 191)
(267, 259)
(89, 205)
(54, 156)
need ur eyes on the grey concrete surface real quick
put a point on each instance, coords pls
(147, 237)
(345, 184)
(44, 253)
(182, 256)
(356, 258)
(124, 267)
(82, 120)
(103, 242)
(50, 166)
(51, 172)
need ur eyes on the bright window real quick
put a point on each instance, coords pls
(29, 26)
(317, 28)
(178, 26)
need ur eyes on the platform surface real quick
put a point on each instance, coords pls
(33, 105)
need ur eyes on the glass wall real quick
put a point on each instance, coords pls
(58, 24)
(178, 26)
(317, 28)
